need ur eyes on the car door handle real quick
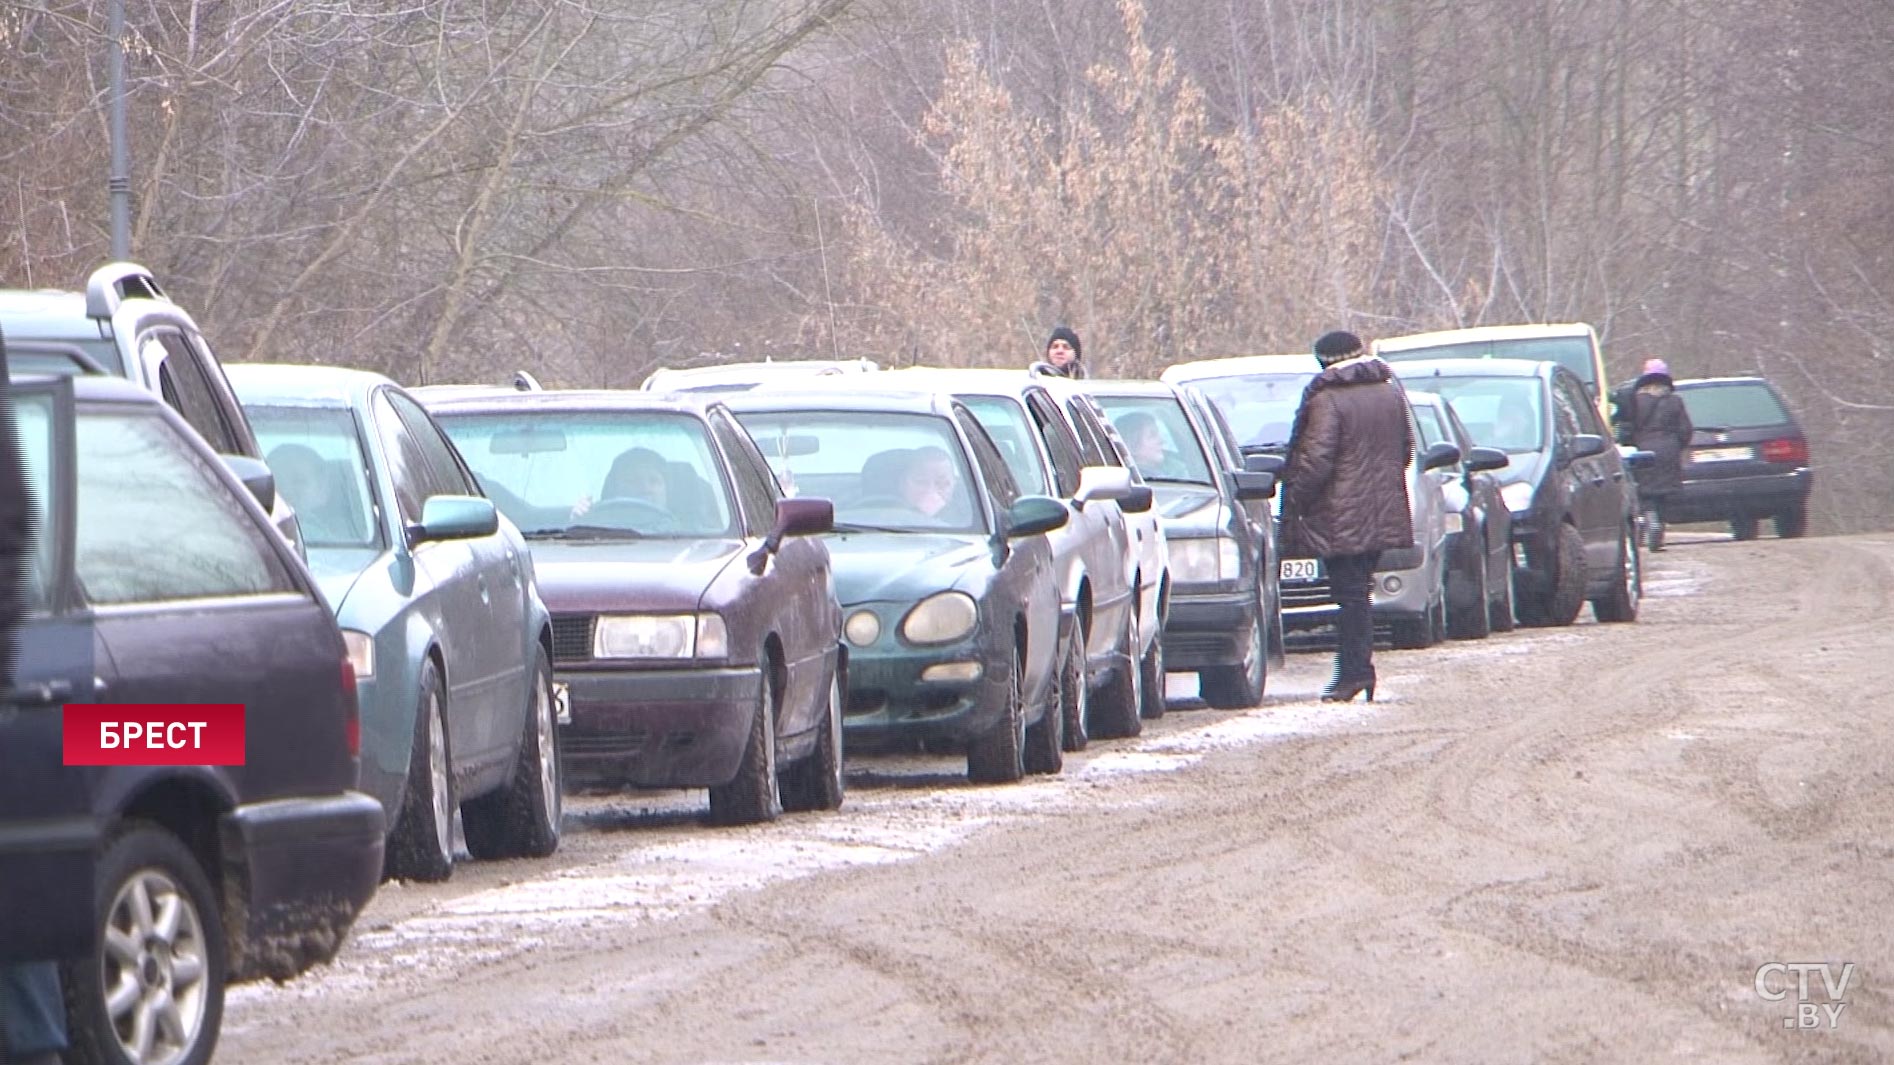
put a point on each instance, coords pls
(1597, 480)
(1619, 476)
(44, 693)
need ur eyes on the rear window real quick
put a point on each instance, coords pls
(1573, 353)
(1733, 406)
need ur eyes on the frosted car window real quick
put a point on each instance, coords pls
(316, 455)
(1158, 434)
(896, 471)
(155, 524)
(1006, 425)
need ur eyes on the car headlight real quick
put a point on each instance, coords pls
(361, 650)
(660, 636)
(941, 618)
(863, 628)
(1518, 495)
(1204, 558)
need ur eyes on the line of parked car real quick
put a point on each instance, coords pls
(447, 607)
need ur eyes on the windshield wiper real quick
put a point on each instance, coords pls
(854, 527)
(1179, 480)
(585, 532)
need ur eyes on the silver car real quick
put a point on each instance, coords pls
(1259, 396)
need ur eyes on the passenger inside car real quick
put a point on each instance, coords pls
(312, 487)
(929, 484)
(1148, 448)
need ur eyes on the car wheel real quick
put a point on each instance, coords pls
(1413, 634)
(153, 991)
(1152, 667)
(1567, 594)
(1472, 621)
(1622, 604)
(1045, 738)
(522, 820)
(1794, 522)
(998, 757)
(752, 797)
(1743, 528)
(1075, 695)
(1238, 687)
(1501, 611)
(1117, 707)
(422, 845)
(815, 783)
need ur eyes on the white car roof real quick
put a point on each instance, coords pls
(1239, 366)
(1475, 334)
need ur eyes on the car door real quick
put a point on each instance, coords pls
(1026, 575)
(1101, 539)
(47, 833)
(1595, 497)
(450, 574)
(798, 583)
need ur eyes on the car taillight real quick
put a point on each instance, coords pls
(352, 723)
(1789, 451)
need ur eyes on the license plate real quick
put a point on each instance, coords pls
(561, 704)
(1301, 569)
(1722, 454)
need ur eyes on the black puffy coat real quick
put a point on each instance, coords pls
(1660, 423)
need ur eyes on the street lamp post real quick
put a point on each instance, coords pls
(119, 184)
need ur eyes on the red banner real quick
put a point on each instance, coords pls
(154, 734)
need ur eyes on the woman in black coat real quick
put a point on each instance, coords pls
(1658, 422)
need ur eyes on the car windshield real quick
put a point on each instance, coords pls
(1158, 434)
(315, 454)
(1261, 408)
(1733, 406)
(604, 474)
(1005, 421)
(886, 472)
(1432, 431)
(1503, 412)
(1573, 353)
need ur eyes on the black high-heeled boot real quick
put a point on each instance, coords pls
(1345, 691)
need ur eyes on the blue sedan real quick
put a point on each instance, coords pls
(436, 598)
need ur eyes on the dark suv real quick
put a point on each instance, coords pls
(152, 578)
(1574, 505)
(1748, 459)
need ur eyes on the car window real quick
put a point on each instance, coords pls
(317, 457)
(445, 475)
(1093, 451)
(999, 480)
(1159, 436)
(753, 483)
(1573, 352)
(1261, 408)
(407, 466)
(597, 474)
(1747, 405)
(1507, 413)
(883, 469)
(1432, 432)
(1566, 420)
(1011, 432)
(182, 384)
(1222, 440)
(1059, 442)
(155, 524)
(33, 427)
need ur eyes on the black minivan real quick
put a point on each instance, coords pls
(1573, 502)
(154, 577)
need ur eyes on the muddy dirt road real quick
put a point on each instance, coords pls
(1575, 845)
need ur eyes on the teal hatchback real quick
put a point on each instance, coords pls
(437, 601)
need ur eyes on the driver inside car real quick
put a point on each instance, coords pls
(929, 481)
(638, 474)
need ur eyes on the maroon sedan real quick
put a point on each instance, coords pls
(695, 625)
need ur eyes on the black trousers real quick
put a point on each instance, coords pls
(1349, 579)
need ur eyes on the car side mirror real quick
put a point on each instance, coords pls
(1251, 486)
(256, 477)
(1438, 455)
(1140, 500)
(1480, 459)
(454, 518)
(1584, 446)
(1034, 515)
(1264, 462)
(1102, 482)
(803, 516)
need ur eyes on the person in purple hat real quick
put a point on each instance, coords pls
(1656, 421)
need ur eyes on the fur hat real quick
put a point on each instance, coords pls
(1334, 347)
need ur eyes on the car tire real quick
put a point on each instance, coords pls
(1045, 738)
(1238, 687)
(1743, 528)
(815, 782)
(176, 964)
(752, 796)
(1153, 702)
(1501, 611)
(1415, 634)
(1117, 712)
(421, 847)
(522, 820)
(1473, 622)
(1075, 696)
(1561, 604)
(1793, 523)
(1621, 604)
(999, 756)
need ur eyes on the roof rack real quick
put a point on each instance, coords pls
(524, 381)
(114, 283)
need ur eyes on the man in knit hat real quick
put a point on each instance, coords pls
(1345, 492)
(1064, 353)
